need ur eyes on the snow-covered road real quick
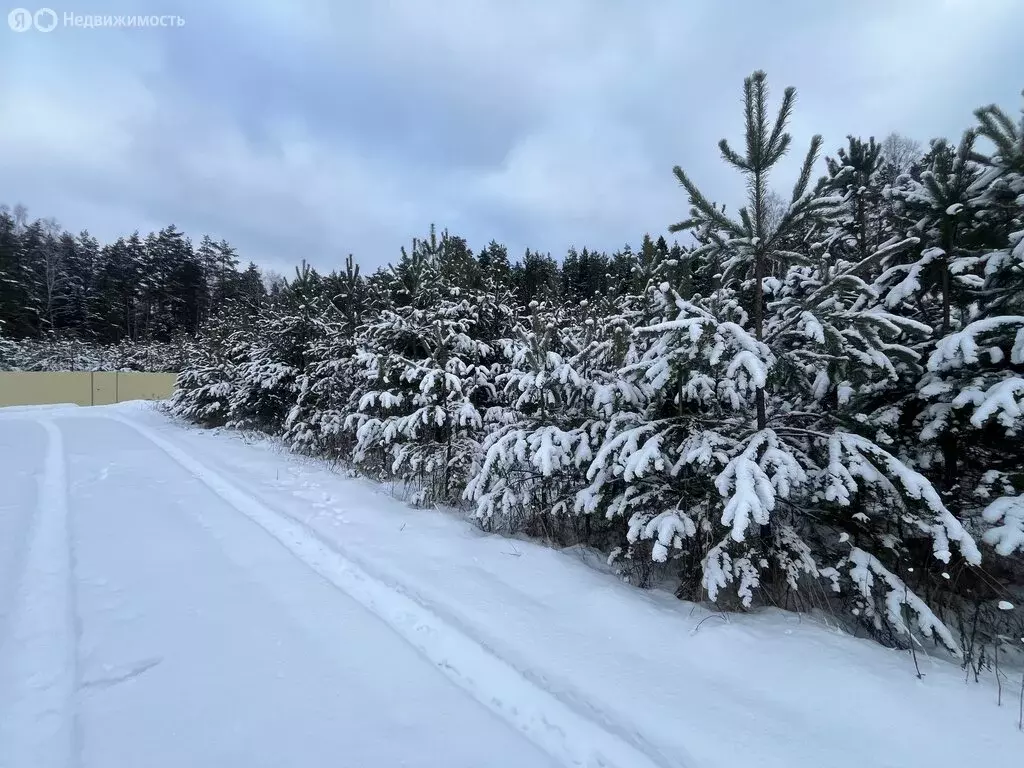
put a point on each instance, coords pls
(174, 598)
(157, 625)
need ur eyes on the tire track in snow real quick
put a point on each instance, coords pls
(546, 720)
(38, 659)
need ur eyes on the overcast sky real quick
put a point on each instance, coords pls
(314, 128)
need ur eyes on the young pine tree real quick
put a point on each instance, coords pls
(750, 410)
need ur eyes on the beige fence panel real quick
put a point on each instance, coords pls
(45, 388)
(82, 387)
(104, 387)
(144, 386)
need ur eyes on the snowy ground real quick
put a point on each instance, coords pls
(170, 597)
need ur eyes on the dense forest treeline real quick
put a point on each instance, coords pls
(70, 301)
(815, 402)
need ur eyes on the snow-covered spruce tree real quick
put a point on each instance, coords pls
(970, 418)
(315, 423)
(929, 284)
(959, 281)
(209, 374)
(751, 417)
(941, 207)
(267, 382)
(558, 397)
(537, 439)
(427, 366)
(559, 393)
(982, 365)
(54, 352)
(397, 292)
(857, 175)
(10, 356)
(154, 357)
(606, 344)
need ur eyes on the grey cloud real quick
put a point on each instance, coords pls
(314, 129)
